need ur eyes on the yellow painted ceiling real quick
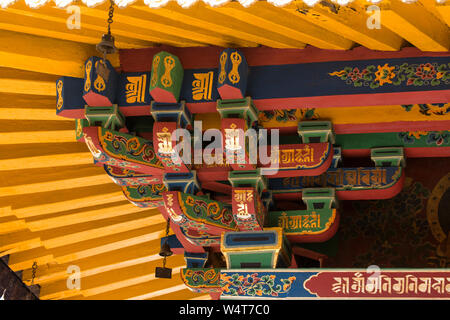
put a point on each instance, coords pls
(56, 208)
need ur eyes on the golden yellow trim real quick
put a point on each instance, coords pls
(169, 64)
(87, 82)
(327, 226)
(59, 88)
(236, 60)
(223, 73)
(155, 65)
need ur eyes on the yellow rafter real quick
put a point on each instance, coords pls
(54, 160)
(416, 25)
(274, 20)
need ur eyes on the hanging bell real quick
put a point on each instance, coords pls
(106, 46)
(165, 250)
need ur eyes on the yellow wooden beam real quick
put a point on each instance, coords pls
(128, 224)
(111, 260)
(12, 226)
(55, 160)
(273, 20)
(416, 25)
(18, 241)
(232, 36)
(45, 55)
(110, 280)
(444, 12)
(23, 254)
(145, 274)
(55, 136)
(107, 244)
(21, 113)
(174, 30)
(137, 292)
(59, 206)
(155, 294)
(20, 86)
(203, 297)
(24, 177)
(40, 149)
(349, 22)
(60, 184)
(35, 126)
(431, 6)
(85, 216)
(5, 211)
(184, 294)
(139, 286)
(33, 22)
(236, 29)
(79, 241)
(96, 21)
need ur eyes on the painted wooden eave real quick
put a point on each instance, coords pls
(182, 3)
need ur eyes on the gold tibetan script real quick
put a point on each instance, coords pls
(297, 156)
(389, 284)
(243, 195)
(165, 142)
(232, 142)
(306, 221)
(135, 89)
(202, 86)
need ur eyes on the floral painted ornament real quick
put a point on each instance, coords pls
(424, 74)
(251, 285)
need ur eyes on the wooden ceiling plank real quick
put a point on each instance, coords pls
(26, 253)
(444, 12)
(110, 280)
(184, 294)
(416, 25)
(60, 184)
(51, 136)
(59, 206)
(154, 294)
(111, 260)
(433, 7)
(84, 216)
(71, 240)
(40, 24)
(55, 160)
(176, 29)
(24, 86)
(237, 28)
(18, 241)
(97, 22)
(12, 226)
(349, 22)
(45, 55)
(20, 113)
(228, 34)
(107, 244)
(275, 20)
(97, 232)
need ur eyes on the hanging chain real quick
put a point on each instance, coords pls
(167, 226)
(110, 15)
(33, 272)
(167, 233)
